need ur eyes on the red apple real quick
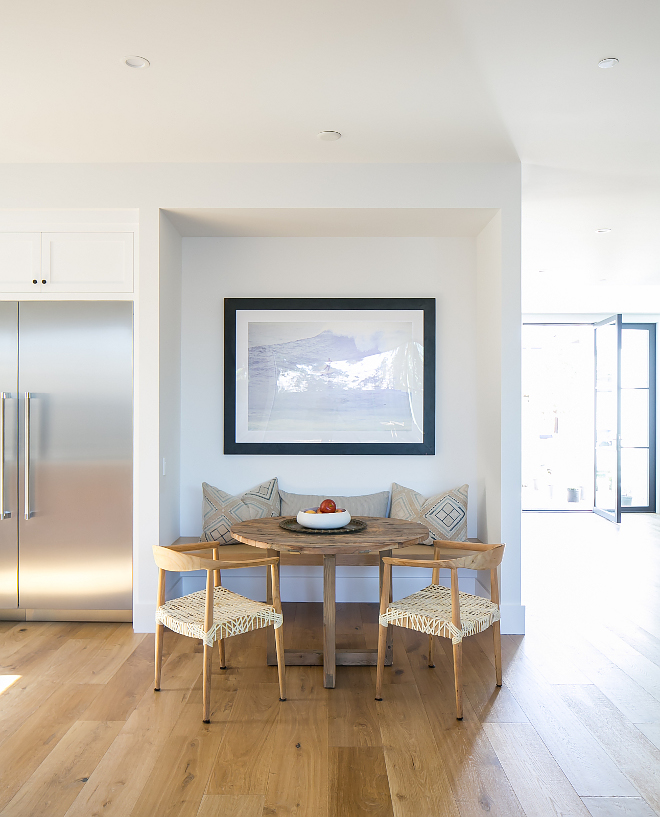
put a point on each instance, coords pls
(327, 506)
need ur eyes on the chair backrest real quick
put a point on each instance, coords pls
(168, 559)
(176, 560)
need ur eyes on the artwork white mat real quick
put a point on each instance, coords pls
(329, 376)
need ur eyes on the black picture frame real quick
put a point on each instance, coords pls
(424, 448)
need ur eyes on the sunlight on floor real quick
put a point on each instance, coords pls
(578, 565)
(6, 681)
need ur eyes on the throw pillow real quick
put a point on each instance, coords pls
(367, 505)
(445, 514)
(221, 510)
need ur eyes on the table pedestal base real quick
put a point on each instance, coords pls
(329, 657)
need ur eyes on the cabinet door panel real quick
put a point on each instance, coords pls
(87, 262)
(20, 262)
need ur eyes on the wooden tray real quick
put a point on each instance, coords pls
(290, 523)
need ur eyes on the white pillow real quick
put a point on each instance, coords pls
(445, 514)
(221, 510)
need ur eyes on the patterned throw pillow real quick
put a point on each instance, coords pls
(221, 510)
(445, 515)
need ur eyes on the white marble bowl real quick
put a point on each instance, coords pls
(323, 521)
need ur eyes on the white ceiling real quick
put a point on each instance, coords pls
(253, 81)
(540, 60)
(420, 81)
(414, 81)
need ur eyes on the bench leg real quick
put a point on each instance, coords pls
(329, 610)
(271, 651)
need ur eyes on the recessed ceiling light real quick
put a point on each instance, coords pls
(608, 62)
(137, 62)
(604, 230)
(329, 135)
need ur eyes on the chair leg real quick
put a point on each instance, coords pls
(206, 684)
(159, 656)
(458, 679)
(431, 661)
(221, 653)
(497, 643)
(380, 669)
(279, 648)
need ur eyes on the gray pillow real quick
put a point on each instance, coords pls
(367, 505)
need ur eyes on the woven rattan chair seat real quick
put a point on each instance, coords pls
(429, 611)
(232, 615)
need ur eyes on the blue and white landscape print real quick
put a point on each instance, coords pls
(334, 381)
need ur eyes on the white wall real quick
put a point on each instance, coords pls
(443, 268)
(216, 268)
(489, 373)
(499, 352)
(170, 379)
(149, 187)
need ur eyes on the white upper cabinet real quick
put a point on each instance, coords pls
(66, 262)
(86, 262)
(20, 262)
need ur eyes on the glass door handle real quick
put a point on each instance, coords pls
(27, 456)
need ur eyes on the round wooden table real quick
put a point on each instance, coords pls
(381, 535)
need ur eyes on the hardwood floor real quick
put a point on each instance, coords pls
(574, 730)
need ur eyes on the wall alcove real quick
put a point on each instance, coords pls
(451, 254)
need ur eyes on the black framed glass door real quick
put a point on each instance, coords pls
(607, 418)
(638, 397)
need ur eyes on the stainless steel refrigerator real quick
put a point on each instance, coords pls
(66, 460)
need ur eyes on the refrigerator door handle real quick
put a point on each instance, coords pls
(27, 456)
(3, 397)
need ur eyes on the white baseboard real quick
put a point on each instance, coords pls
(144, 620)
(305, 583)
(513, 619)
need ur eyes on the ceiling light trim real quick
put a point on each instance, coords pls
(329, 135)
(134, 61)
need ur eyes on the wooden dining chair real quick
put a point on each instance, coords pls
(443, 611)
(215, 613)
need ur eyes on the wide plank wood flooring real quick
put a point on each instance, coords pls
(574, 730)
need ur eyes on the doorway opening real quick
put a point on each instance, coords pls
(588, 417)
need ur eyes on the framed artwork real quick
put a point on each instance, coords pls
(329, 376)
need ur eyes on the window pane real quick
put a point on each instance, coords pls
(606, 417)
(606, 357)
(634, 477)
(634, 417)
(634, 358)
(605, 498)
(558, 417)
